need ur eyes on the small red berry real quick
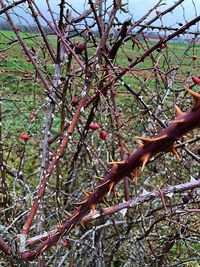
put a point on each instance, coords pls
(196, 80)
(65, 244)
(27, 75)
(31, 117)
(94, 126)
(103, 135)
(79, 48)
(186, 199)
(162, 46)
(130, 59)
(25, 136)
(194, 57)
(75, 102)
(33, 49)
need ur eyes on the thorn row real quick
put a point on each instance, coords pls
(163, 142)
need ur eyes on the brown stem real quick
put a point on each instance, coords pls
(162, 142)
(148, 196)
(16, 3)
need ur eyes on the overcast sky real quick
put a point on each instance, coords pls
(137, 8)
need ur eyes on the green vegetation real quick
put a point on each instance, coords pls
(23, 94)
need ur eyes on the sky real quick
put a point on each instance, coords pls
(137, 8)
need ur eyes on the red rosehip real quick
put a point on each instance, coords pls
(194, 57)
(25, 136)
(130, 59)
(27, 75)
(196, 80)
(75, 102)
(186, 199)
(2, 56)
(103, 135)
(31, 117)
(65, 244)
(94, 126)
(162, 46)
(79, 48)
(33, 49)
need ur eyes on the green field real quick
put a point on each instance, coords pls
(23, 95)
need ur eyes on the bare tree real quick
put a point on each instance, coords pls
(76, 189)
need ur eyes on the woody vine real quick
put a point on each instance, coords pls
(98, 133)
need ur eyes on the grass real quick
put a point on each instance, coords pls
(22, 97)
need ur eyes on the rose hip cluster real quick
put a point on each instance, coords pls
(95, 126)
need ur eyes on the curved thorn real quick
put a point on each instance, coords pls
(85, 193)
(68, 213)
(99, 178)
(100, 185)
(135, 171)
(93, 208)
(139, 144)
(196, 97)
(110, 187)
(82, 224)
(149, 140)
(174, 151)
(105, 202)
(177, 121)
(134, 175)
(82, 202)
(117, 162)
(179, 112)
(144, 160)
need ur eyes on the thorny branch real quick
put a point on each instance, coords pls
(85, 84)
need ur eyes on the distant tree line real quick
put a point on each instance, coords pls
(5, 26)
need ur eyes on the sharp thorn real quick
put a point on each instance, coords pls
(110, 187)
(179, 112)
(93, 208)
(116, 195)
(82, 202)
(74, 215)
(117, 162)
(196, 97)
(144, 160)
(177, 121)
(160, 137)
(100, 185)
(139, 144)
(135, 171)
(105, 202)
(85, 193)
(99, 178)
(149, 140)
(174, 151)
(144, 139)
(134, 175)
(82, 224)
(68, 213)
